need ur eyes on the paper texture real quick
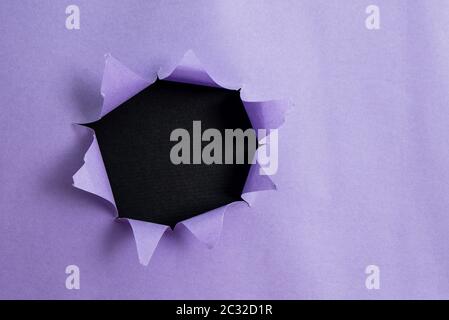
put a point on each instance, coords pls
(120, 84)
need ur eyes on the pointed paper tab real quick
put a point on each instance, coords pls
(189, 70)
(256, 181)
(266, 114)
(147, 236)
(92, 176)
(207, 227)
(119, 84)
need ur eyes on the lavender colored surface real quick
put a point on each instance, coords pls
(364, 158)
(120, 84)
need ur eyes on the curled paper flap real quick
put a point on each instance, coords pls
(207, 227)
(189, 70)
(119, 84)
(266, 114)
(147, 236)
(92, 176)
(256, 182)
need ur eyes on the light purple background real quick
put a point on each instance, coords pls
(364, 154)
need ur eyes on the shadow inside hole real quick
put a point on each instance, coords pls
(134, 140)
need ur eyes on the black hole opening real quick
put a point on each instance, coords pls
(135, 144)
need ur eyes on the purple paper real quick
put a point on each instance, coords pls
(363, 173)
(147, 236)
(266, 114)
(207, 227)
(92, 176)
(118, 85)
(189, 70)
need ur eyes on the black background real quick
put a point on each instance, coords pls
(135, 144)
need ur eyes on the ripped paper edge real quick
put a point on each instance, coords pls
(120, 84)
